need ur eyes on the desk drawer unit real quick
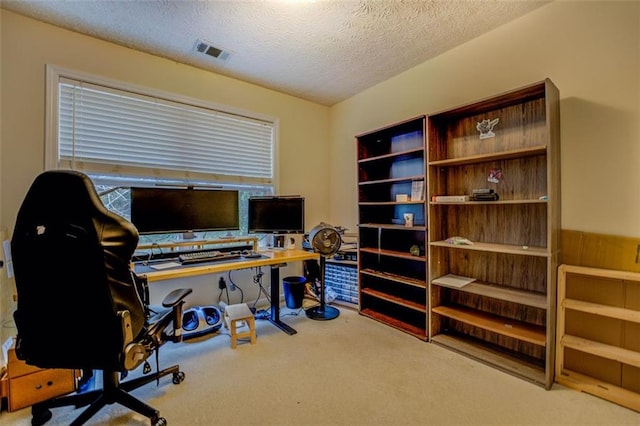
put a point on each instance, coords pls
(27, 384)
(39, 386)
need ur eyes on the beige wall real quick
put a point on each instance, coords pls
(591, 51)
(28, 45)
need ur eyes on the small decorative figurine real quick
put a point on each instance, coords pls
(485, 127)
(495, 175)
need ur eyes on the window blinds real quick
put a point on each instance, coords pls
(105, 130)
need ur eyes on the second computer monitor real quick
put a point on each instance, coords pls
(276, 215)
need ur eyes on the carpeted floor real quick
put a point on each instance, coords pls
(348, 371)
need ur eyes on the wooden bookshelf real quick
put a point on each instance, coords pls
(392, 257)
(506, 317)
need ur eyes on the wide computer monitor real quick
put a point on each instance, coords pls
(176, 210)
(276, 215)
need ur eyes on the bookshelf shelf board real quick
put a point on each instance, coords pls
(482, 158)
(501, 293)
(410, 153)
(392, 226)
(603, 350)
(395, 323)
(392, 253)
(495, 248)
(477, 203)
(389, 203)
(393, 277)
(391, 180)
(499, 359)
(500, 325)
(394, 299)
(602, 310)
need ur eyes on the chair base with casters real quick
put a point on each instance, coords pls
(113, 391)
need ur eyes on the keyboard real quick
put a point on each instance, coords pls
(206, 256)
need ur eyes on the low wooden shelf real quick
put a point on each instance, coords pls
(598, 350)
(200, 243)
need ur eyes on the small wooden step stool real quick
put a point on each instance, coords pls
(236, 313)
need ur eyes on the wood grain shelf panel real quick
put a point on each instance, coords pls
(480, 203)
(389, 203)
(602, 310)
(502, 293)
(395, 299)
(504, 155)
(392, 226)
(393, 253)
(603, 350)
(505, 326)
(495, 248)
(394, 277)
(394, 322)
(391, 180)
(410, 153)
(511, 364)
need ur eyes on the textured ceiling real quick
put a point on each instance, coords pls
(323, 51)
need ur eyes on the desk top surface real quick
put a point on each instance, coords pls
(270, 257)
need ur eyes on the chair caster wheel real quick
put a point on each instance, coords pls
(40, 416)
(178, 377)
(160, 422)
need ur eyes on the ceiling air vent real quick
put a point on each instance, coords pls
(207, 48)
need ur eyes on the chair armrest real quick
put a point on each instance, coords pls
(175, 297)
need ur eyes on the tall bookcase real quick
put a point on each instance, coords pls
(506, 315)
(392, 259)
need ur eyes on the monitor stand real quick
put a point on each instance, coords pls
(189, 235)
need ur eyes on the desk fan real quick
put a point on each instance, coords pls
(326, 241)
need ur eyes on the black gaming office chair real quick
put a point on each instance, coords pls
(79, 303)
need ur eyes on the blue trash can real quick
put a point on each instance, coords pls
(293, 288)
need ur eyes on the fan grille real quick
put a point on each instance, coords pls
(325, 239)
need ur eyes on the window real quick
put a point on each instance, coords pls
(122, 136)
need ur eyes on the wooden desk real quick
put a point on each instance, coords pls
(274, 259)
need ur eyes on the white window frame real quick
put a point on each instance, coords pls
(55, 73)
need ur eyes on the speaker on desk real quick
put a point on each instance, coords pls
(200, 320)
